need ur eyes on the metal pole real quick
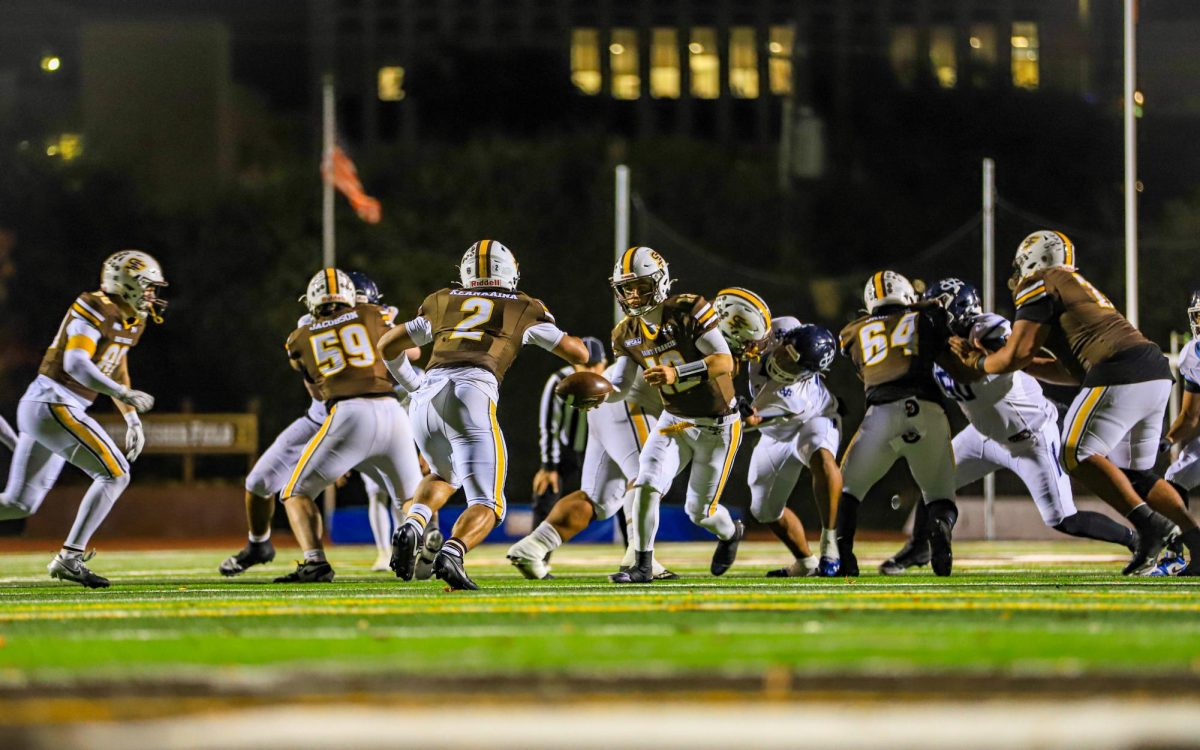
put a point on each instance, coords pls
(621, 237)
(328, 250)
(989, 304)
(1131, 219)
(1175, 405)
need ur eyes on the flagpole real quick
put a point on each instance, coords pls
(328, 250)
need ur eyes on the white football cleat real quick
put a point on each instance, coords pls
(529, 557)
(427, 553)
(73, 569)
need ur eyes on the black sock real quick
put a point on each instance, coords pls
(847, 523)
(454, 546)
(943, 510)
(644, 560)
(1092, 525)
(920, 532)
(1141, 517)
(1191, 540)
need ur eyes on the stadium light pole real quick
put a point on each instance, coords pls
(328, 250)
(621, 233)
(1130, 112)
(989, 304)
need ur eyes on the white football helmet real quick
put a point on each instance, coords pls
(888, 288)
(641, 271)
(136, 278)
(488, 263)
(1043, 249)
(329, 286)
(743, 319)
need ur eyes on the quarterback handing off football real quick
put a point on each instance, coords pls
(583, 390)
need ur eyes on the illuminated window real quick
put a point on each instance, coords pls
(942, 56)
(68, 146)
(704, 63)
(902, 52)
(585, 60)
(743, 63)
(779, 61)
(983, 53)
(1025, 73)
(391, 84)
(626, 83)
(664, 64)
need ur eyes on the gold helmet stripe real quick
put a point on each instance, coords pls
(1069, 247)
(627, 260)
(481, 259)
(879, 285)
(752, 298)
(331, 286)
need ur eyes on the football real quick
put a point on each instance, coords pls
(583, 390)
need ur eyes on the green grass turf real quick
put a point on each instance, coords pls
(1043, 609)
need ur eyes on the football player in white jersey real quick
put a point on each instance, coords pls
(616, 433)
(272, 469)
(87, 358)
(1012, 426)
(797, 417)
(1184, 472)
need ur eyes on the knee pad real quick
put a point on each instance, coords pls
(1142, 481)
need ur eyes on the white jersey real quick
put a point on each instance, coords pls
(1189, 366)
(803, 400)
(1001, 407)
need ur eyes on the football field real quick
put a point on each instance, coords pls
(172, 638)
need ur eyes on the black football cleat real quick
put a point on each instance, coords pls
(309, 572)
(642, 571)
(404, 552)
(726, 552)
(73, 569)
(254, 553)
(450, 569)
(913, 554)
(1153, 538)
(849, 568)
(941, 556)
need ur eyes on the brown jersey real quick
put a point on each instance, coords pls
(337, 353)
(894, 349)
(685, 318)
(1087, 332)
(480, 327)
(118, 334)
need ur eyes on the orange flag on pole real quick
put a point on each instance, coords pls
(344, 176)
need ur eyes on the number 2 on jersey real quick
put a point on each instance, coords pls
(481, 312)
(876, 343)
(671, 358)
(351, 345)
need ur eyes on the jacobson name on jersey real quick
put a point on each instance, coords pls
(685, 318)
(337, 353)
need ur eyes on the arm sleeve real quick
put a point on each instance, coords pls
(544, 335)
(549, 418)
(78, 361)
(712, 342)
(420, 330)
(624, 372)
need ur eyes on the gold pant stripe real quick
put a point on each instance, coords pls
(1079, 426)
(846, 454)
(501, 468)
(728, 467)
(641, 425)
(95, 445)
(308, 452)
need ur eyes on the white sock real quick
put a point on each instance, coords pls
(260, 538)
(645, 513)
(418, 517)
(379, 513)
(829, 546)
(547, 536)
(719, 523)
(314, 555)
(97, 502)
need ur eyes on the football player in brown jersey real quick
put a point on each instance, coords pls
(893, 348)
(674, 341)
(1110, 439)
(365, 428)
(476, 332)
(86, 358)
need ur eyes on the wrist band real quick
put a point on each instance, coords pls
(690, 370)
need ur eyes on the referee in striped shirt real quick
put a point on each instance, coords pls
(562, 436)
